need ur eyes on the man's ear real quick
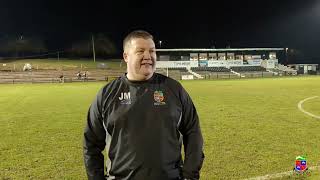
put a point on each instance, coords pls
(125, 56)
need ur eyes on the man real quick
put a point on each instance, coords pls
(61, 78)
(79, 75)
(141, 119)
(85, 74)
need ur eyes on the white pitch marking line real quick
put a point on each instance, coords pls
(304, 111)
(278, 175)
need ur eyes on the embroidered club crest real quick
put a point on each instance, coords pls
(158, 98)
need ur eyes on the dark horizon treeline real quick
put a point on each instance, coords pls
(30, 46)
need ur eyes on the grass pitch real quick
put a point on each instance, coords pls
(251, 127)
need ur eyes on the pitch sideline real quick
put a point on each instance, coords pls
(279, 175)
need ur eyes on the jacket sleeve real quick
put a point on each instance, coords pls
(94, 140)
(192, 138)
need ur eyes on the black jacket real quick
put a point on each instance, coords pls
(142, 125)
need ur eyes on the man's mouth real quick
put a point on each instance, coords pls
(150, 64)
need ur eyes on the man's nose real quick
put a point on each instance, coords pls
(146, 55)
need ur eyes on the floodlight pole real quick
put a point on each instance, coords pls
(93, 50)
(287, 56)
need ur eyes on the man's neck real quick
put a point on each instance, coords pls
(138, 78)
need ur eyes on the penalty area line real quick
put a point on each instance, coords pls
(304, 111)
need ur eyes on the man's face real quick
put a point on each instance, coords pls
(140, 56)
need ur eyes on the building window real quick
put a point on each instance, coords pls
(194, 57)
(203, 56)
(164, 58)
(221, 56)
(212, 56)
(230, 56)
(256, 56)
(239, 57)
(247, 57)
(272, 55)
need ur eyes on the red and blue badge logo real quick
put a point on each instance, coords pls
(301, 164)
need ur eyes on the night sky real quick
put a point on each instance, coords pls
(178, 24)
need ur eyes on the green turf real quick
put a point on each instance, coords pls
(251, 127)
